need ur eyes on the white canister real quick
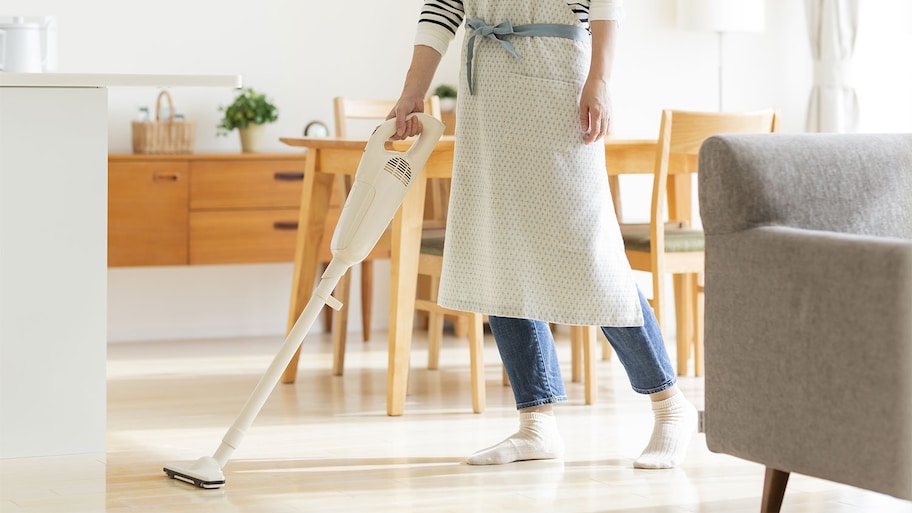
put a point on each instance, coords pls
(28, 46)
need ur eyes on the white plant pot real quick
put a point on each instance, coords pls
(251, 138)
(448, 104)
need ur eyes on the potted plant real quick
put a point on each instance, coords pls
(447, 95)
(249, 113)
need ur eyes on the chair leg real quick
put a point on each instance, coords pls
(340, 321)
(435, 336)
(774, 485)
(476, 356)
(658, 305)
(424, 286)
(698, 300)
(435, 326)
(576, 353)
(460, 326)
(590, 381)
(583, 363)
(683, 320)
(606, 347)
(327, 320)
(327, 312)
(367, 297)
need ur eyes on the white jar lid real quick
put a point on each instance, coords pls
(18, 23)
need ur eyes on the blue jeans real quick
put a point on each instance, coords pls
(530, 358)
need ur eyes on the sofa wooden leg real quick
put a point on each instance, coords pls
(773, 490)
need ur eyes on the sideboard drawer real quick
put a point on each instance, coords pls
(147, 213)
(268, 183)
(242, 236)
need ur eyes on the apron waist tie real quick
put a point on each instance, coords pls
(495, 32)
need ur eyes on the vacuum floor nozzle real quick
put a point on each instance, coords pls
(203, 473)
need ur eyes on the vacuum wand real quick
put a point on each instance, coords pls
(381, 182)
(321, 296)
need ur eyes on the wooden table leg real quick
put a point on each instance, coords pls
(314, 204)
(405, 247)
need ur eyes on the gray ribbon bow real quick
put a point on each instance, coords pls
(505, 28)
(480, 28)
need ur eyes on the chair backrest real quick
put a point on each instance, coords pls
(347, 109)
(680, 136)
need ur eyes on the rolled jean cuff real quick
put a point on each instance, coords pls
(539, 402)
(649, 391)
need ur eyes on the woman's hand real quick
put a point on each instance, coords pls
(595, 101)
(595, 110)
(417, 81)
(406, 105)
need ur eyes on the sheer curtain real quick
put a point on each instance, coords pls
(832, 27)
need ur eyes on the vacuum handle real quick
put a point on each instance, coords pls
(432, 129)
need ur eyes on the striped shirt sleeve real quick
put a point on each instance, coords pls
(438, 23)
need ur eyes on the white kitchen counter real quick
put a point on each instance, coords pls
(53, 256)
(115, 80)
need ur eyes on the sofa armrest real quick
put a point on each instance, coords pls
(809, 354)
(850, 183)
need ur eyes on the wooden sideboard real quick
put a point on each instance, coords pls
(200, 209)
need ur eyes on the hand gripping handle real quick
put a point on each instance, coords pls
(382, 181)
(432, 129)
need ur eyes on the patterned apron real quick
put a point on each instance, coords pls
(531, 231)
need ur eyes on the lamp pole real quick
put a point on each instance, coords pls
(719, 61)
(721, 16)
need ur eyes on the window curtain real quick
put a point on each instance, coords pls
(832, 27)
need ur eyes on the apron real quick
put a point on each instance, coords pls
(531, 231)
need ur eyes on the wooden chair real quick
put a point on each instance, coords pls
(346, 110)
(670, 244)
(430, 263)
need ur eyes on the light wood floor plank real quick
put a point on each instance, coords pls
(325, 443)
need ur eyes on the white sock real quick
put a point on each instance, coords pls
(537, 439)
(675, 423)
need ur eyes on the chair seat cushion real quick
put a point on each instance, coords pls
(432, 246)
(679, 240)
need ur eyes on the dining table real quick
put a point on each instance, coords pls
(329, 157)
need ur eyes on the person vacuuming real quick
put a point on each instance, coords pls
(532, 237)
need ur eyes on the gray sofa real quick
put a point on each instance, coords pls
(808, 313)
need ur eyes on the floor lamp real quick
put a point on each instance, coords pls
(721, 16)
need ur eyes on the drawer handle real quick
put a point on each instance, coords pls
(289, 176)
(285, 225)
(165, 177)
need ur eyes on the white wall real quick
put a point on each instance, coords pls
(302, 53)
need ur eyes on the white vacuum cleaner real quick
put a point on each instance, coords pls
(381, 183)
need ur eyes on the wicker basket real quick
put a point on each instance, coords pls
(164, 136)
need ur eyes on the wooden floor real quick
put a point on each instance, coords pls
(326, 445)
